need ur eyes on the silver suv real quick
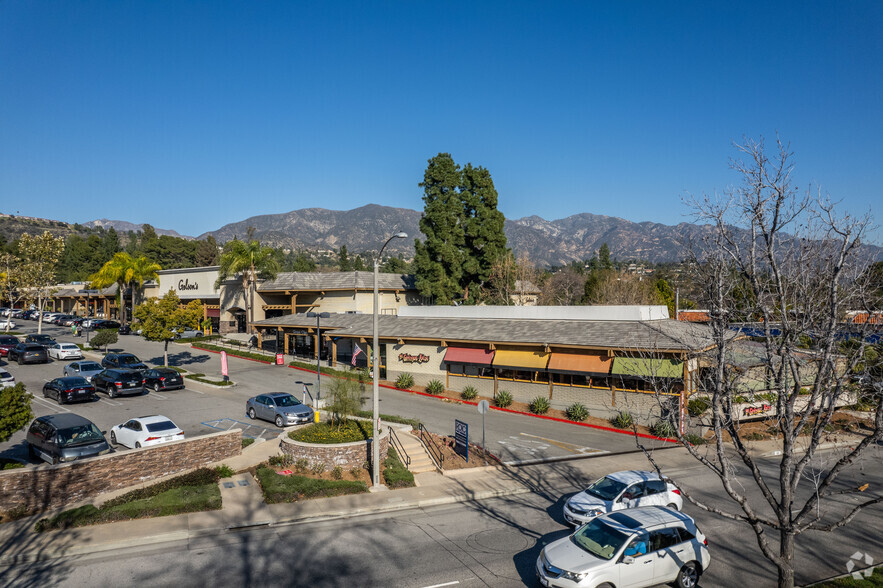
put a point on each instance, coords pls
(629, 548)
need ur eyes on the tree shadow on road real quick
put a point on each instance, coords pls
(180, 359)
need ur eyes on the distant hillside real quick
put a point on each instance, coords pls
(125, 226)
(12, 227)
(547, 243)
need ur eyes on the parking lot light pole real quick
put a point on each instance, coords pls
(375, 372)
(318, 315)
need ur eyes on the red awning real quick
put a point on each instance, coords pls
(469, 355)
(212, 312)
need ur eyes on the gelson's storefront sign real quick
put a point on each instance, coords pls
(756, 410)
(185, 284)
(411, 358)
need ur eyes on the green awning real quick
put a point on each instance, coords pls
(647, 368)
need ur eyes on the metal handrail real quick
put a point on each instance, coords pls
(400, 449)
(436, 455)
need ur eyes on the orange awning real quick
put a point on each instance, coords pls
(578, 362)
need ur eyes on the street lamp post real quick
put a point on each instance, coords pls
(375, 368)
(318, 315)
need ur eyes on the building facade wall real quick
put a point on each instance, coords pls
(424, 362)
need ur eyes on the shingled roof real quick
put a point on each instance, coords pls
(656, 335)
(337, 281)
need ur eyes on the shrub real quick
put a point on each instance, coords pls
(468, 393)
(623, 420)
(200, 477)
(694, 439)
(280, 461)
(337, 473)
(503, 399)
(355, 472)
(435, 387)
(246, 441)
(539, 405)
(317, 468)
(404, 381)
(331, 433)
(697, 406)
(301, 465)
(278, 488)
(577, 412)
(224, 471)
(395, 474)
(664, 428)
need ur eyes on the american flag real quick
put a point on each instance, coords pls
(356, 354)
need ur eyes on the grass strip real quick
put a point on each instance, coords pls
(292, 488)
(390, 418)
(875, 581)
(203, 379)
(395, 474)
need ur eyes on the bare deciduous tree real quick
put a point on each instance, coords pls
(565, 287)
(793, 265)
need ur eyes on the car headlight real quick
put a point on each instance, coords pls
(573, 576)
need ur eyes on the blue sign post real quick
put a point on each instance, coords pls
(461, 439)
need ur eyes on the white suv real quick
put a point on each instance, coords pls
(628, 549)
(620, 491)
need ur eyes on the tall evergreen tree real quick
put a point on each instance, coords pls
(485, 241)
(604, 257)
(343, 260)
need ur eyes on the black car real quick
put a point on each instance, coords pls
(123, 360)
(117, 382)
(65, 437)
(69, 389)
(125, 330)
(28, 353)
(162, 379)
(45, 340)
(102, 324)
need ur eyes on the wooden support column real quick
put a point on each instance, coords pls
(333, 353)
(285, 342)
(318, 351)
(294, 303)
(260, 339)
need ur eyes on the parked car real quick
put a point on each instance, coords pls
(145, 431)
(189, 334)
(28, 353)
(64, 437)
(65, 351)
(30, 315)
(162, 379)
(100, 324)
(7, 342)
(85, 369)
(66, 320)
(620, 491)
(125, 330)
(118, 382)
(123, 360)
(69, 389)
(279, 407)
(49, 316)
(7, 380)
(16, 313)
(43, 340)
(7, 323)
(639, 547)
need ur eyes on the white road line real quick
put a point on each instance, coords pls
(445, 584)
(160, 396)
(51, 404)
(110, 402)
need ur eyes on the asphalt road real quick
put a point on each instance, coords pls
(201, 409)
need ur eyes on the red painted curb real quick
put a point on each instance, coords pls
(469, 402)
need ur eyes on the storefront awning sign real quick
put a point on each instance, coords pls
(469, 355)
(518, 359)
(643, 367)
(580, 363)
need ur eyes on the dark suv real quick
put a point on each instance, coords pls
(65, 437)
(123, 360)
(118, 382)
(28, 353)
(162, 379)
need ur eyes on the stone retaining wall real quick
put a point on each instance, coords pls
(345, 455)
(46, 487)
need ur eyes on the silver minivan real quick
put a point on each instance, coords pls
(65, 437)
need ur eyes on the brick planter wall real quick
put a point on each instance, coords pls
(47, 487)
(345, 455)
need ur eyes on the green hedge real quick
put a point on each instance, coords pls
(395, 474)
(391, 418)
(292, 488)
(348, 432)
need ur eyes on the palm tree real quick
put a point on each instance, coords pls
(248, 259)
(116, 272)
(141, 270)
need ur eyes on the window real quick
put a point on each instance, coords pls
(685, 534)
(634, 491)
(457, 368)
(664, 538)
(654, 487)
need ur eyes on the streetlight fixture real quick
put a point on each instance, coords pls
(306, 392)
(375, 368)
(318, 315)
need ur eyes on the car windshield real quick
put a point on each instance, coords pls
(161, 426)
(73, 382)
(89, 366)
(8, 340)
(286, 401)
(606, 488)
(40, 338)
(127, 359)
(599, 539)
(79, 435)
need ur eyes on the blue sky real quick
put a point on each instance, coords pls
(190, 115)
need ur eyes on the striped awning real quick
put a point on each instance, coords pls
(580, 363)
(647, 368)
(534, 360)
(469, 355)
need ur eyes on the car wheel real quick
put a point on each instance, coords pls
(251, 413)
(113, 437)
(672, 506)
(688, 577)
(112, 391)
(20, 362)
(279, 422)
(156, 387)
(137, 445)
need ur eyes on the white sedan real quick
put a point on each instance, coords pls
(65, 351)
(7, 380)
(145, 431)
(6, 323)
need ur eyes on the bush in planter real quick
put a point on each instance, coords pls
(435, 387)
(577, 412)
(468, 393)
(539, 405)
(503, 399)
(623, 420)
(664, 428)
(404, 381)
(697, 406)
